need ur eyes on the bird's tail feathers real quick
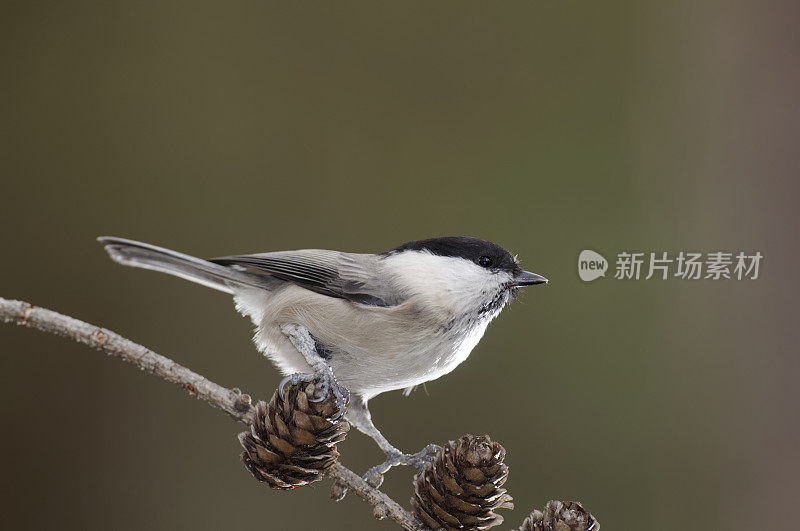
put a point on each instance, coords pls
(146, 256)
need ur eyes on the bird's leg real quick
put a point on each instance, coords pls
(322, 372)
(359, 416)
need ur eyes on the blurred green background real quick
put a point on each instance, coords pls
(549, 127)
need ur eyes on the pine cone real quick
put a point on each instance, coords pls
(292, 441)
(561, 516)
(462, 487)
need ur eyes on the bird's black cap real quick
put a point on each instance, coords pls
(482, 252)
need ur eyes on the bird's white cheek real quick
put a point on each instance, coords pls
(480, 291)
(454, 286)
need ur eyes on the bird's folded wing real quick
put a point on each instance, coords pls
(350, 276)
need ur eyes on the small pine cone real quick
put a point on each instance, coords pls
(292, 441)
(462, 487)
(561, 516)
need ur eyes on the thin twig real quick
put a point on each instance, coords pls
(229, 400)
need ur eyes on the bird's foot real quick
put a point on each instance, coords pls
(374, 475)
(324, 384)
(322, 376)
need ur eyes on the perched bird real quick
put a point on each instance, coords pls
(372, 322)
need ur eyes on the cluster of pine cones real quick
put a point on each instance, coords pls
(293, 442)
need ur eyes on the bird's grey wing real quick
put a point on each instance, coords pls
(350, 276)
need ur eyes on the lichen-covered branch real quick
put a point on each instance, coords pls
(231, 401)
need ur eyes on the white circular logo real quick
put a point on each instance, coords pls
(591, 265)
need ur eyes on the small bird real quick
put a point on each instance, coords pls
(372, 322)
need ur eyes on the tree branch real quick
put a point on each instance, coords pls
(231, 401)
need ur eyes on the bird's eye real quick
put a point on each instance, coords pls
(485, 261)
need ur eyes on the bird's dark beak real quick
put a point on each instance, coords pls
(526, 278)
